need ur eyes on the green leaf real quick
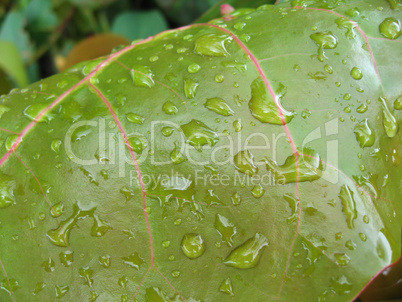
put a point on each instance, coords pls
(163, 173)
(139, 25)
(11, 63)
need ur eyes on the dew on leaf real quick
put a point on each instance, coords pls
(133, 260)
(135, 118)
(122, 281)
(104, 261)
(198, 134)
(236, 199)
(55, 146)
(33, 111)
(190, 88)
(342, 259)
(258, 191)
(324, 40)
(341, 285)
(389, 121)
(7, 188)
(193, 245)
(66, 258)
(99, 227)
(356, 73)
(49, 265)
(248, 254)
(169, 108)
(137, 143)
(237, 125)
(350, 245)
(167, 131)
(61, 291)
(86, 272)
(219, 78)
(348, 25)
(193, 68)
(294, 206)
(142, 76)
(362, 108)
(38, 288)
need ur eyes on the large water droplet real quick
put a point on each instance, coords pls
(193, 245)
(244, 162)
(99, 227)
(342, 259)
(9, 285)
(104, 261)
(190, 87)
(198, 134)
(309, 167)
(212, 45)
(61, 291)
(341, 285)
(248, 254)
(225, 228)
(134, 260)
(348, 25)
(390, 28)
(38, 288)
(365, 135)
(137, 143)
(226, 287)
(313, 254)
(264, 108)
(348, 205)
(219, 106)
(324, 40)
(142, 76)
(389, 120)
(176, 156)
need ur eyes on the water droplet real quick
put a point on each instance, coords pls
(99, 227)
(49, 265)
(328, 69)
(258, 191)
(33, 111)
(56, 145)
(340, 285)
(166, 243)
(169, 108)
(66, 258)
(389, 120)
(212, 45)
(167, 131)
(133, 260)
(398, 103)
(121, 99)
(176, 273)
(294, 206)
(364, 134)
(9, 285)
(198, 134)
(348, 205)
(366, 219)
(242, 67)
(356, 73)
(190, 87)
(244, 37)
(362, 108)
(86, 272)
(219, 106)
(350, 245)
(342, 259)
(390, 28)
(135, 118)
(3, 109)
(237, 125)
(225, 228)
(104, 261)
(176, 156)
(363, 236)
(307, 167)
(122, 281)
(348, 25)
(226, 287)
(264, 108)
(244, 162)
(38, 288)
(61, 291)
(219, 78)
(137, 143)
(193, 245)
(248, 254)
(193, 68)
(324, 40)
(142, 76)
(236, 199)
(314, 252)
(338, 236)
(153, 58)
(7, 188)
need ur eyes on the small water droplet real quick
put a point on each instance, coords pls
(356, 73)
(49, 265)
(328, 68)
(350, 245)
(134, 260)
(86, 272)
(219, 78)
(212, 45)
(348, 205)
(138, 143)
(236, 199)
(390, 28)
(363, 236)
(362, 108)
(104, 261)
(324, 40)
(219, 106)
(294, 206)
(176, 273)
(167, 131)
(7, 188)
(193, 245)
(142, 76)
(198, 134)
(56, 145)
(237, 125)
(398, 103)
(226, 287)
(193, 68)
(389, 120)
(66, 258)
(342, 259)
(38, 288)
(135, 118)
(258, 191)
(122, 281)
(190, 88)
